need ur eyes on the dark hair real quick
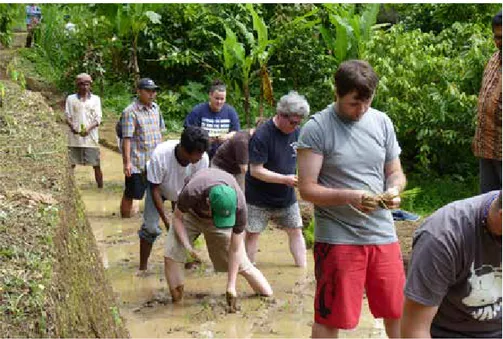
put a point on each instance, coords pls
(356, 75)
(217, 85)
(497, 20)
(195, 139)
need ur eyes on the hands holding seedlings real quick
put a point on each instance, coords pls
(369, 202)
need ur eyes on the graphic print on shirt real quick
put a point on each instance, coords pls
(216, 127)
(294, 145)
(485, 292)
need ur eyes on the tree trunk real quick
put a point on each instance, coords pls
(134, 56)
(246, 91)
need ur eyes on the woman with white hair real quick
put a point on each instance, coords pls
(271, 179)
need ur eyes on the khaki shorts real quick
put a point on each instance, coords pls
(217, 242)
(89, 156)
(287, 217)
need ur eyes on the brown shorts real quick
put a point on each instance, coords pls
(87, 156)
(217, 242)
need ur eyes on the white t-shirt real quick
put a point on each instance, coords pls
(165, 170)
(82, 114)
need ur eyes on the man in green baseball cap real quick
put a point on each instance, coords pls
(223, 203)
(211, 203)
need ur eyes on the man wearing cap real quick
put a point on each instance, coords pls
(212, 204)
(83, 116)
(141, 125)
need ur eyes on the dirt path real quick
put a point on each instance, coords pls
(145, 302)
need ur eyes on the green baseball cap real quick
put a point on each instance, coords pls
(223, 203)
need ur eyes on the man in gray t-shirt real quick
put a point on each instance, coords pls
(348, 157)
(454, 280)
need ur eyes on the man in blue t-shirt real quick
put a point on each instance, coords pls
(218, 118)
(271, 177)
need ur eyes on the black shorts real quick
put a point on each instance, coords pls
(136, 185)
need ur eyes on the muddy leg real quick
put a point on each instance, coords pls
(173, 272)
(98, 176)
(145, 249)
(297, 246)
(126, 206)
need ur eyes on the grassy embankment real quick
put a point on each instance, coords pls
(52, 281)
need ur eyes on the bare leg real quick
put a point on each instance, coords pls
(323, 331)
(251, 244)
(173, 271)
(257, 281)
(126, 206)
(297, 246)
(145, 249)
(98, 176)
(253, 275)
(392, 327)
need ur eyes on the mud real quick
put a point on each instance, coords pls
(145, 302)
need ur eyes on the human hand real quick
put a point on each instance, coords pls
(231, 300)
(390, 199)
(365, 201)
(291, 180)
(127, 169)
(193, 255)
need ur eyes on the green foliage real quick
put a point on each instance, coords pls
(308, 233)
(436, 17)
(429, 86)
(7, 14)
(352, 29)
(432, 193)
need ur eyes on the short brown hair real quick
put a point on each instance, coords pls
(356, 75)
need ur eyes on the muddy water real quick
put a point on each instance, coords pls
(145, 301)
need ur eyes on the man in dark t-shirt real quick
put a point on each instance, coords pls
(271, 179)
(454, 280)
(232, 156)
(211, 203)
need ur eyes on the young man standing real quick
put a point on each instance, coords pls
(348, 154)
(142, 124)
(83, 116)
(170, 164)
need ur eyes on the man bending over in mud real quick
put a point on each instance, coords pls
(454, 281)
(170, 164)
(212, 204)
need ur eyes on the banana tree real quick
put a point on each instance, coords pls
(260, 50)
(352, 30)
(132, 19)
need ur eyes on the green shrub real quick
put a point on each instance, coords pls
(429, 86)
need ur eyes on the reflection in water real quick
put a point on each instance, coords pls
(145, 302)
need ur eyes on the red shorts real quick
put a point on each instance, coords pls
(344, 271)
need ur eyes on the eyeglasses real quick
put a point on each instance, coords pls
(292, 121)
